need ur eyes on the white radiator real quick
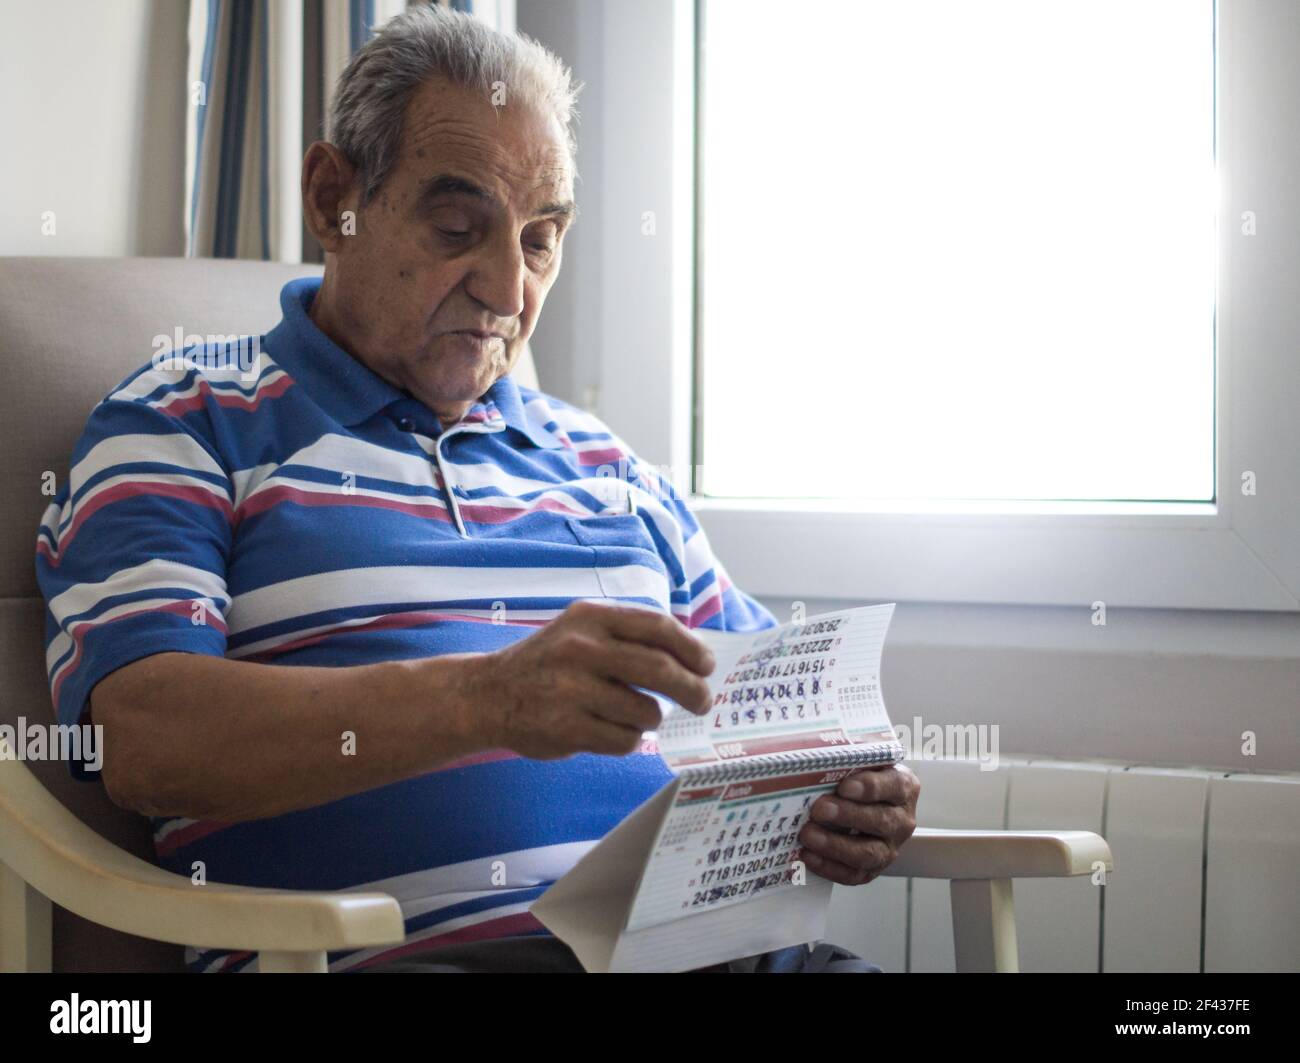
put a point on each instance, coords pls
(1207, 870)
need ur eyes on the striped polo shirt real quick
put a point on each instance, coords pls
(303, 511)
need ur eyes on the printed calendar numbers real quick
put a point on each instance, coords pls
(752, 852)
(794, 710)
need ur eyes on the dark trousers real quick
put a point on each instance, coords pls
(542, 954)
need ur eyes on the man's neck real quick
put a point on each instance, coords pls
(324, 317)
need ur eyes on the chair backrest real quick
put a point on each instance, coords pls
(71, 329)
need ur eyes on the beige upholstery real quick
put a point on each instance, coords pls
(71, 329)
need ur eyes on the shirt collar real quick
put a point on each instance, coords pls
(351, 393)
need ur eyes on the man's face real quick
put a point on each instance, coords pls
(441, 285)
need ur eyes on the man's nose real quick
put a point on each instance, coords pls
(497, 279)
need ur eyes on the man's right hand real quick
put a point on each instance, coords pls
(568, 688)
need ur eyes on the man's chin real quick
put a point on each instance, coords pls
(465, 384)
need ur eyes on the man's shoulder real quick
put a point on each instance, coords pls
(179, 379)
(574, 426)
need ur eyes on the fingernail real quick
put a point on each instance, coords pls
(828, 810)
(816, 836)
(852, 789)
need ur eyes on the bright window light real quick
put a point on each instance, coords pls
(957, 249)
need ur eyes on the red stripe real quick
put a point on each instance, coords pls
(480, 514)
(198, 495)
(380, 623)
(503, 926)
(228, 399)
(83, 627)
(599, 457)
(709, 609)
(229, 961)
(272, 496)
(186, 836)
(488, 514)
(489, 756)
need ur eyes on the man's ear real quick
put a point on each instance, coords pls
(329, 195)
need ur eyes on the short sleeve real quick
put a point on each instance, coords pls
(131, 555)
(703, 595)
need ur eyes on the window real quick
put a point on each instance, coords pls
(957, 250)
(1037, 497)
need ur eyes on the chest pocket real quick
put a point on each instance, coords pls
(626, 559)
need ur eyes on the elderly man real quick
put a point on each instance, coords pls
(374, 619)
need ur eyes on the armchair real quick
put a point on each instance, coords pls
(75, 870)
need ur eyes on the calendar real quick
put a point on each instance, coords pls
(708, 869)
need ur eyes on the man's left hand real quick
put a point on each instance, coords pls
(855, 833)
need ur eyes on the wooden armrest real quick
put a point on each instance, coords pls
(66, 861)
(1000, 854)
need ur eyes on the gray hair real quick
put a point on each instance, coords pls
(375, 88)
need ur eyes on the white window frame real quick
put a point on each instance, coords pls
(1239, 553)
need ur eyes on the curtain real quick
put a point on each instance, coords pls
(261, 76)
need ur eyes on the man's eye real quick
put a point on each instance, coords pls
(454, 234)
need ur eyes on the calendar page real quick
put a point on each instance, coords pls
(728, 843)
(795, 709)
(806, 686)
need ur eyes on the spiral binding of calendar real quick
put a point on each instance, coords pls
(765, 764)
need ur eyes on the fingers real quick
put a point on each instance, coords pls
(645, 626)
(857, 851)
(894, 823)
(837, 872)
(652, 668)
(893, 784)
(626, 708)
(611, 739)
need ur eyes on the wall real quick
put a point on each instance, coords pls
(93, 126)
(565, 344)
(1169, 687)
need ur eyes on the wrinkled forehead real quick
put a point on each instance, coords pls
(515, 150)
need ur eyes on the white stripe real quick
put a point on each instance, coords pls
(697, 557)
(451, 925)
(711, 590)
(138, 478)
(221, 380)
(517, 616)
(152, 575)
(475, 476)
(397, 584)
(173, 448)
(64, 640)
(334, 453)
(244, 481)
(219, 387)
(523, 868)
(171, 826)
(570, 419)
(428, 503)
(635, 581)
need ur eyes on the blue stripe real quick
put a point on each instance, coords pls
(209, 45)
(440, 819)
(361, 17)
(266, 136)
(234, 116)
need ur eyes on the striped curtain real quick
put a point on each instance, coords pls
(261, 77)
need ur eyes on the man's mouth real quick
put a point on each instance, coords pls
(478, 334)
(476, 342)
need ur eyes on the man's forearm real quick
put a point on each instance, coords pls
(210, 738)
